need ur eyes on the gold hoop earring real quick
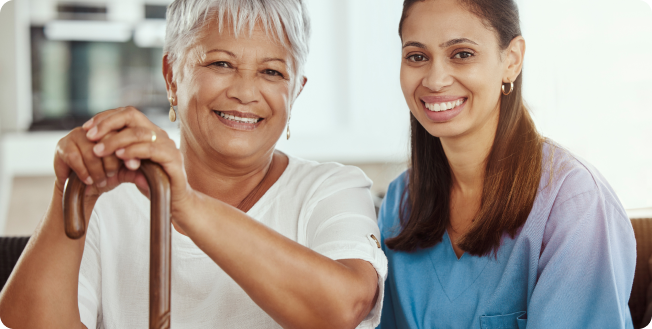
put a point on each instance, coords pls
(287, 135)
(172, 114)
(511, 88)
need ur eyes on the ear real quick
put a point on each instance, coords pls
(514, 55)
(168, 75)
(303, 84)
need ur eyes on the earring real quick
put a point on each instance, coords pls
(288, 132)
(172, 114)
(511, 88)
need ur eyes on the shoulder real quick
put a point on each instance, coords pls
(573, 193)
(323, 179)
(565, 176)
(388, 216)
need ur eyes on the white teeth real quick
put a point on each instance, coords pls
(438, 107)
(238, 119)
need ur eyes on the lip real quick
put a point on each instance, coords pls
(238, 125)
(443, 116)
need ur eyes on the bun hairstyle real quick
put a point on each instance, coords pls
(513, 166)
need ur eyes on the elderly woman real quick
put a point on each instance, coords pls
(493, 226)
(260, 240)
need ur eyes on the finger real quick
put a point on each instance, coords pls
(61, 168)
(164, 153)
(98, 117)
(129, 176)
(127, 117)
(72, 157)
(111, 163)
(94, 164)
(128, 136)
(132, 164)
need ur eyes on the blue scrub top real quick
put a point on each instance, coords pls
(571, 265)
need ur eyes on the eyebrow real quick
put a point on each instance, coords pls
(415, 44)
(265, 60)
(443, 45)
(221, 51)
(270, 59)
(456, 41)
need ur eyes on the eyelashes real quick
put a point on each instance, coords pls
(463, 55)
(270, 73)
(460, 55)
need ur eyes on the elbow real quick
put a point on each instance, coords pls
(355, 311)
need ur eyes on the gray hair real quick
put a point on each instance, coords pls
(280, 18)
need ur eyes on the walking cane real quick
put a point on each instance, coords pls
(159, 252)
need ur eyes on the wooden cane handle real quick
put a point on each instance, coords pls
(160, 236)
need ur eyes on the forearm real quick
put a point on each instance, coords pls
(42, 289)
(295, 285)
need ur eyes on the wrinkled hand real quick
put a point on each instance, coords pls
(130, 136)
(74, 152)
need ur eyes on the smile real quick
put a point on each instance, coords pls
(444, 106)
(238, 119)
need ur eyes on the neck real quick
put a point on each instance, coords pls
(224, 178)
(467, 155)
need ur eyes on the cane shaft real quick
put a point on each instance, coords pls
(160, 236)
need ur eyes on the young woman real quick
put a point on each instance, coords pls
(493, 226)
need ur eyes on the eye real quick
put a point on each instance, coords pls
(273, 73)
(463, 55)
(221, 64)
(416, 58)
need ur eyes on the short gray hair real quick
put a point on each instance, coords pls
(280, 18)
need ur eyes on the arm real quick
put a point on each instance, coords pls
(295, 285)
(586, 267)
(42, 289)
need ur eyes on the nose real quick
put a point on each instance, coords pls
(243, 87)
(438, 77)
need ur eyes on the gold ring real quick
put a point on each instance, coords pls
(153, 136)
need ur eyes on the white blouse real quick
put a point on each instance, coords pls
(326, 207)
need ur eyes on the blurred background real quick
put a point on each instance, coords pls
(587, 81)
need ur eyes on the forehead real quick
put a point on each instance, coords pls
(438, 21)
(257, 41)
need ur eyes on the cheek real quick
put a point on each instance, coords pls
(484, 85)
(277, 96)
(410, 81)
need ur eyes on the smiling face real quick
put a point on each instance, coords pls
(452, 69)
(233, 94)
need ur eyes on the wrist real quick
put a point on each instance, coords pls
(181, 208)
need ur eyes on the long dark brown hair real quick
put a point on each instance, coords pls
(513, 166)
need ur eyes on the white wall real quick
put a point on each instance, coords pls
(588, 81)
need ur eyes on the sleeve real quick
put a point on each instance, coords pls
(586, 267)
(387, 222)
(90, 277)
(343, 226)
